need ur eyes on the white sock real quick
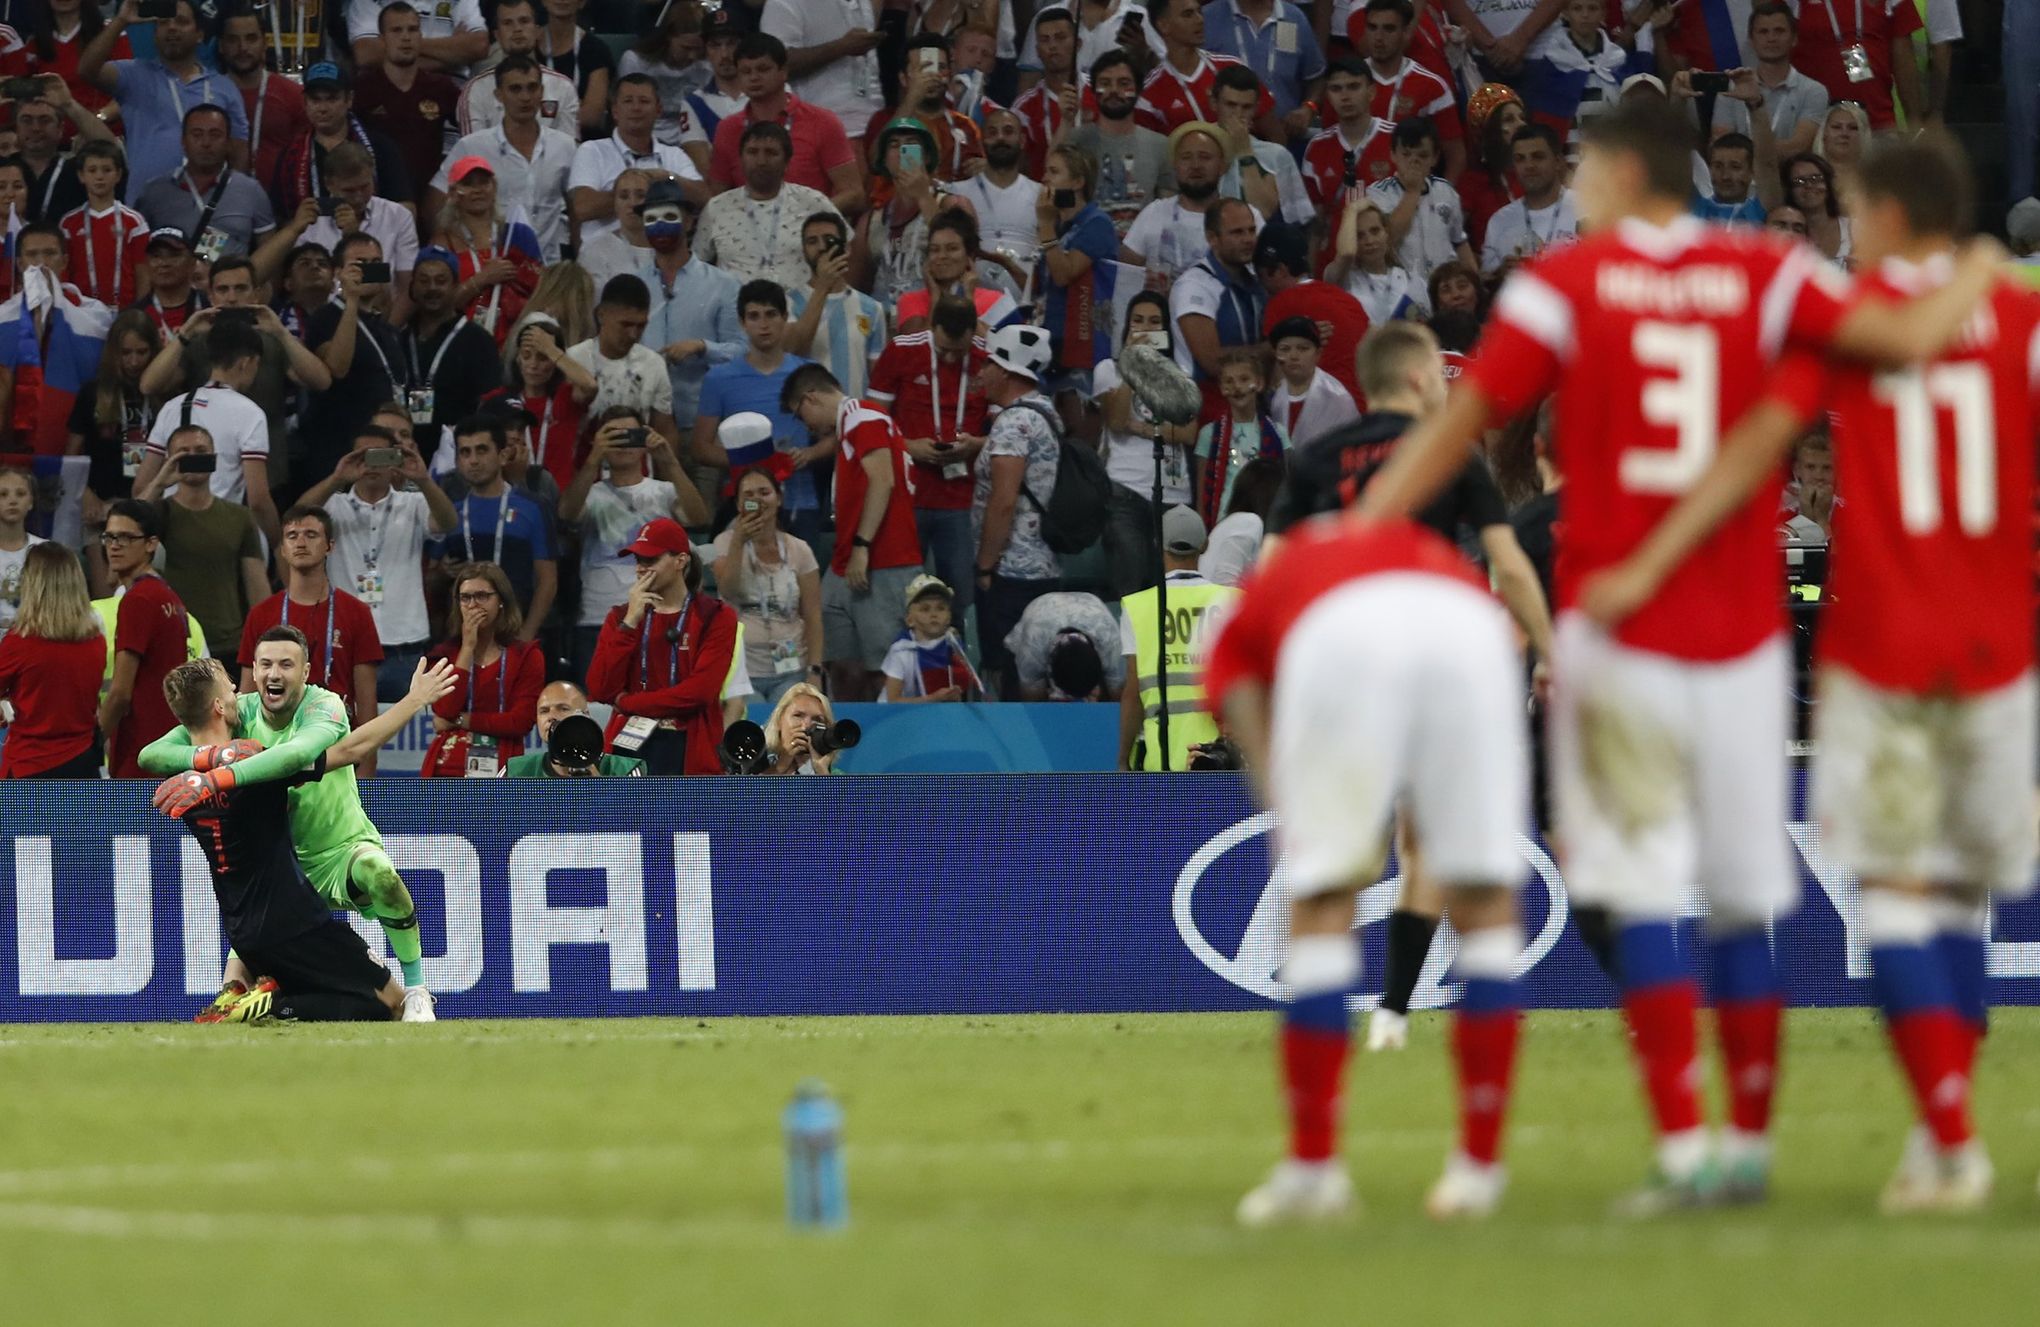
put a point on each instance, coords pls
(1318, 964)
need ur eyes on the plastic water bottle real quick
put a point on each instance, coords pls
(816, 1195)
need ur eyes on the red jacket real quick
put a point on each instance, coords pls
(670, 667)
(503, 705)
(54, 685)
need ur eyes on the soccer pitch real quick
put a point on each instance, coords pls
(1054, 1170)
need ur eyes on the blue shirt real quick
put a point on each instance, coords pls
(735, 387)
(1749, 210)
(701, 306)
(153, 103)
(1091, 234)
(527, 540)
(1283, 52)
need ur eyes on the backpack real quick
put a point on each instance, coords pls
(1076, 512)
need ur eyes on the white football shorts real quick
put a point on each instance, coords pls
(1401, 688)
(1935, 788)
(1669, 777)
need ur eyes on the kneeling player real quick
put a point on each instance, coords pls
(338, 845)
(1924, 770)
(1368, 666)
(311, 966)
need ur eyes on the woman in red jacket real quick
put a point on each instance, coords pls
(662, 658)
(482, 722)
(51, 664)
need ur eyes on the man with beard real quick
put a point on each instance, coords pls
(410, 102)
(1133, 162)
(154, 95)
(518, 24)
(754, 231)
(835, 324)
(1168, 236)
(275, 105)
(531, 160)
(1004, 201)
(694, 321)
(924, 99)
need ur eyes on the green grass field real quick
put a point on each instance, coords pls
(1057, 1170)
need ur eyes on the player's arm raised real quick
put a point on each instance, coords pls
(322, 724)
(429, 682)
(1752, 452)
(1922, 328)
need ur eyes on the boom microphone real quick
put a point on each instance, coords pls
(1162, 388)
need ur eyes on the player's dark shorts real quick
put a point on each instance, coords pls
(330, 957)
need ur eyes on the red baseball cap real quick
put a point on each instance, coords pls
(467, 166)
(659, 537)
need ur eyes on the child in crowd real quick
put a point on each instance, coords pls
(1226, 444)
(17, 501)
(927, 662)
(1307, 402)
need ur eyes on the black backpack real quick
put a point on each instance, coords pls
(1075, 515)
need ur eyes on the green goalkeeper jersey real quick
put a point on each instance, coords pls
(326, 816)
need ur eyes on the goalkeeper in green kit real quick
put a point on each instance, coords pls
(337, 844)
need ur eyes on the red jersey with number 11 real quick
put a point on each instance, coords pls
(1656, 342)
(1931, 588)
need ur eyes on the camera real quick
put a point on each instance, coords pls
(1218, 754)
(824, 737)
(743, 748)
(832, 243)
(22, 89)
(327, 203)
(636, 437)
(1705, 82)
(156, 10)
(244, 316)
(198, 463)
(375, 274)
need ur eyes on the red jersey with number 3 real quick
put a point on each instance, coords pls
(862, 431)
(1931, 587)
(1656, 342)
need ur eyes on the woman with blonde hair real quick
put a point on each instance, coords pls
(481, 724)
(566, 292)
(496, 281)
(786, 733)
(1844, 134)
(50, 666)
(1365, 265)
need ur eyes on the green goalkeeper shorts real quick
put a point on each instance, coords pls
(332, 874)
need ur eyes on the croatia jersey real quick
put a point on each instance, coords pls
(104, 250)
(1415, 91)
(862, 431)
(1169, 99)
(1316, 558)
(1932, 591)
(1332, 163)
(1656, 342)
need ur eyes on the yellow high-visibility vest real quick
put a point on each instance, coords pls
(1186, 634)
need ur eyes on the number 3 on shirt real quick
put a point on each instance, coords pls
(1916, 398)
(1688, 403)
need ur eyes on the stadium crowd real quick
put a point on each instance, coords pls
(468, 332)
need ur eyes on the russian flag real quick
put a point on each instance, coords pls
(75, 335)
(521, 237)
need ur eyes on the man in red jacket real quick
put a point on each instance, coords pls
(662, 657)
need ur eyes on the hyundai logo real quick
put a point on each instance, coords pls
(1253, 965)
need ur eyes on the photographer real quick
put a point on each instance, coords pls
(787, 746)
(574, 751)
(610, 500)
(236, 424)
(662, 657)
(212, 554)
(357, 343)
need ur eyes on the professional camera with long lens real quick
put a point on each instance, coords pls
(1219, 754)
(743, 749)
(822, 737)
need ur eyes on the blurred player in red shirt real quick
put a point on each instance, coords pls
(1367, 667)
(1668, 735)
(149, 639)
(1925, 765)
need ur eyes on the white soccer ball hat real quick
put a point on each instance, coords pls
(1020, 349)
(743, 430)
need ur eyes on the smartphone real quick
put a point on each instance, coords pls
(931, 60)
(22, 89)
(1064, 198)
(375, 274)
(635, 437)
(151, 10)
(1704, 82)
(237, 315)
(383, 457)
(832, 243)
(750, 506)
(912, 157)
(327, 203)
(198, 463)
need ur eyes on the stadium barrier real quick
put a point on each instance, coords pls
(703, 897)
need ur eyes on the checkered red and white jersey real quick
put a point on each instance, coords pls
(1931, 591)
(104, 249)
(1169, 99)
(1656, 341)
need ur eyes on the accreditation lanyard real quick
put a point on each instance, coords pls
(119, 250)
(361, 329)
(935, 388)
(204, 82)
(676, 641)
(467, 529)
(411, 351)
(544, 427)
(1836, 24)
(1395, 88)
(332, 602)
(770, 234)
(502, 684)
(372, 555)
(255, 129)
(50, 189)
(1243, 29)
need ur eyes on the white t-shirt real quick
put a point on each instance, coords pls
(1006, 222)
(599, 161)
(638, 380)
(1169, 237)
(850, 86)
(10, 581)
(383, 543)
(609, 521)
(1130, 458)
(1435, 233)
(1502, 17)
(1235, 543)
(239, 430)
(559, 106)
(393, 228)
(768, 600)
(1518, 232)
(1388, 295)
